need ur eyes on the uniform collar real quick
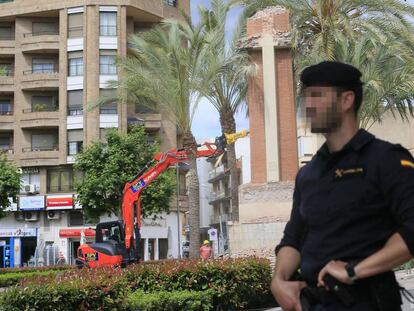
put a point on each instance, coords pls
(360, 139)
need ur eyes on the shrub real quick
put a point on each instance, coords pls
(234, 284)
(10, 278)
(170, 301)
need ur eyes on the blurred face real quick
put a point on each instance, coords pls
(323, 108)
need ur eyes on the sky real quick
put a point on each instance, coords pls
(206, 122)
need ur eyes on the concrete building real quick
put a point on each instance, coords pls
(56, 57)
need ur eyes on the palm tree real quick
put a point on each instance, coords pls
(228, 70)
(163, 73)
(375, 36)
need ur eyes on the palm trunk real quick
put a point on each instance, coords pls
(190, 146)
(228, 125)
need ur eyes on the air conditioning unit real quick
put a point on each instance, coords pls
(53, 215)
(31, 216)
(19, 216)
(30, 188)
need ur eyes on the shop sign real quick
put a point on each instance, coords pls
(30, 170)
(32, 203)
(20, 232)
(76, 233)
(55, 202)
(154, 223)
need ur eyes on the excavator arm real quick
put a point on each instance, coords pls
(134, 188)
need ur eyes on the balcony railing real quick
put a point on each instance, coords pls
(40, 109)
(7, 36)
(6, 113)
(6, 150)
(107, 30)
(42, 33)
(41, 148)
(44, 69)
(59, 188)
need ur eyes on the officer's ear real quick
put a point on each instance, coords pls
(347, 99)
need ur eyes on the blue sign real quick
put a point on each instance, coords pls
(135, 188)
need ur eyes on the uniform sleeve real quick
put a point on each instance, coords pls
(396, 171)
(295, 227)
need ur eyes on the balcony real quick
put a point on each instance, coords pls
(7, 82)
(217, 174)
(7, 44)
(218, 197)
(152, 121)
(40, 42)
(40, 156)
(45, 79)
(8, 151)
(40, 117)
(7, 120)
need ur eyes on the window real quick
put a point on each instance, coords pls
(75, 64)
(44, 142)
(75, 141)
(60, 180)
(76, 218)
(31, 179)
(75, 25)
(107, 24)
(4, 143)
(171, 2)
(6, 69)
(6, 107)
(75, 103)
(49, 28)
(107, 63)
(43, 65)
(143, 109)
(7, 32)
(110, 107)
(44, 103)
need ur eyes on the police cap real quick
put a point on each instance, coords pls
(330, 73)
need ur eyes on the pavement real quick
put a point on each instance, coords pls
(406, 280)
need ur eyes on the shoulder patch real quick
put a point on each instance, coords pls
(407, 163)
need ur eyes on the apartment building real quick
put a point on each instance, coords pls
(55, 58)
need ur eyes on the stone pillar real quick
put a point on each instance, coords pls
(91, 72)
(156, 250)
(146, 247)
(274, 155)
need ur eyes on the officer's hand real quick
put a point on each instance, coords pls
(287, 293)
(335, 268)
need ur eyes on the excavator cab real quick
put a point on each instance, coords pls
(109, 249)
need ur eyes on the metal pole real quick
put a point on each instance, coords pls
(178, 211)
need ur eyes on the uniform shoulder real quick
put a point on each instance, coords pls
(381, 146)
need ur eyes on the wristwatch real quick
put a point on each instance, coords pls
(349, 267)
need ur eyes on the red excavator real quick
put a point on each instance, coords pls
(118, 242)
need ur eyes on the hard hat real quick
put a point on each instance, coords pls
(206, 242)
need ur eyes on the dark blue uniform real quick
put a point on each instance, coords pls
(347, 204)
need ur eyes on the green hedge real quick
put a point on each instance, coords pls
(170, 301)
(10, 278)
(35, 269)
(234, 284)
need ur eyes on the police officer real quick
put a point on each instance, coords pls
(353, 204)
